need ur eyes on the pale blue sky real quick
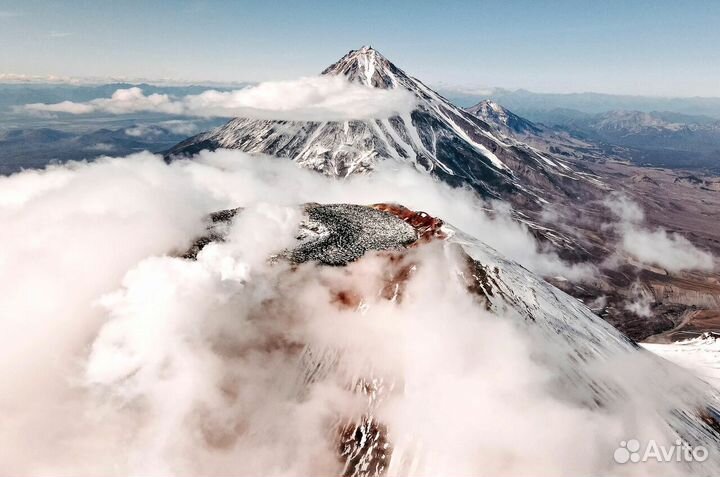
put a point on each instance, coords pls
(637, 47)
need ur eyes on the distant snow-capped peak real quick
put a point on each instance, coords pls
(502, 119)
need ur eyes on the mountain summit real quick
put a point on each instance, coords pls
(367, 66)
(437, 137)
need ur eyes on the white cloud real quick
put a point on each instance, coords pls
(62, 107)
(176, 126)
(471, 90)
(639, 301)
(38, 79)
(102, 80)
(657, 247)
(321, 98)
(123, 101)
(59, 34)
(124, 359)
(143, 130)
(393, 183)
(670, 251)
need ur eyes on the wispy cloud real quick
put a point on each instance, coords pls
(639, 301)
(59, 34)
(179, 127)
(9, 14)
(39, 79)
(657, 247)
(306, 99)
(99, 80)
(234, 336)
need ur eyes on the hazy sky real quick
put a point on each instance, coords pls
(638, 47)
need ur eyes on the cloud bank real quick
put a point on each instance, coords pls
(128, 360)
(319, 98)
(657, 247)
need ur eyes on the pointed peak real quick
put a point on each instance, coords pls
(367, 66)
(499, 116)
(365, 50)
(368, 52)
(488, 108)
(487, 104)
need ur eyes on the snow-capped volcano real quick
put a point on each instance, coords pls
(436, 137)
(502, 118)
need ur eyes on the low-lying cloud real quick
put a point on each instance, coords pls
(317, 98)
(656, 247)
(639, 301)
(125, 359)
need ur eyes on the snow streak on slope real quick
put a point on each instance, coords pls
(436, 137)
(517, 130)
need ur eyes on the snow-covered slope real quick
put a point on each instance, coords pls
(590, 386)
(700, 355)
(436, 137)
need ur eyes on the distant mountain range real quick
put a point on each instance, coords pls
(666, 132)
(35, 147)
(531, 105)
(535, 106)
(654, 138)
(653, 129)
